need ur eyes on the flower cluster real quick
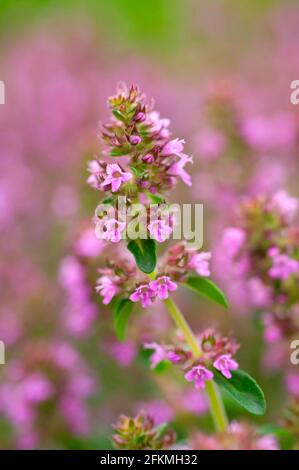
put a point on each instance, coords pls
(141, 433)
(50, 376)
(217, 353)
(238, 436)
(149, 163)
(120, 276)
(264, 249)
(152, 161)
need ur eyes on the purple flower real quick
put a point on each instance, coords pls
(115, 176)
(282, 265)
(232, 241)
(106, 288)
(162, 285)
(199, 375)
(109, 229)
(225, 364)
(160, 230)
(200, 263)
(159, 353)
(144, 294)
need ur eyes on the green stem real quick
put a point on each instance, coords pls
(216, 404)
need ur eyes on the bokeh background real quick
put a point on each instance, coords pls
(219, 70)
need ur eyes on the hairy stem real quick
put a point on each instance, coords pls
(216, 403)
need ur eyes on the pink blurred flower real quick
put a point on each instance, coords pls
(210, 144)
(292, 383)
(282, 266)
(233, 239)
(287, 205)
(200, 263)
(159, 353)
(88, 245)
(107, 288)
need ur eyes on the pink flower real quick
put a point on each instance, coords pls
(177, 169)
(143, 294)
(159, 125)
(173, 147)
(115, 176)
(106, 288)
(109, 229)
(200, 263)
(88, 245)
(199, 375)
(225, 364)
(259, 292)
(162, 285)
(159, 353)
(134, 139)
(287, 206)
(292, 383)
(282, 265)
(95, 170)
(36, 388)
(272, 332)
(210, 144)
(232, 240)
(160, 230)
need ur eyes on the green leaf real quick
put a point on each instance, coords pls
(156, 199)
(119, 115)
(144, 252)
(244, 390)
(120, 151)
(207, 288)
(121, 315)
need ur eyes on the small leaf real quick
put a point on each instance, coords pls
(120, 151)
(118, 115)
(244, 390)
(144, 252)
(156, 199)
(121, 315)
(207, 288)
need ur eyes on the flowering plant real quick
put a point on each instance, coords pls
(149, 165)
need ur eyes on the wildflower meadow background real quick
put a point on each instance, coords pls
(103, 345)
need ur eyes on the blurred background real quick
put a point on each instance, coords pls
(218, 70)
